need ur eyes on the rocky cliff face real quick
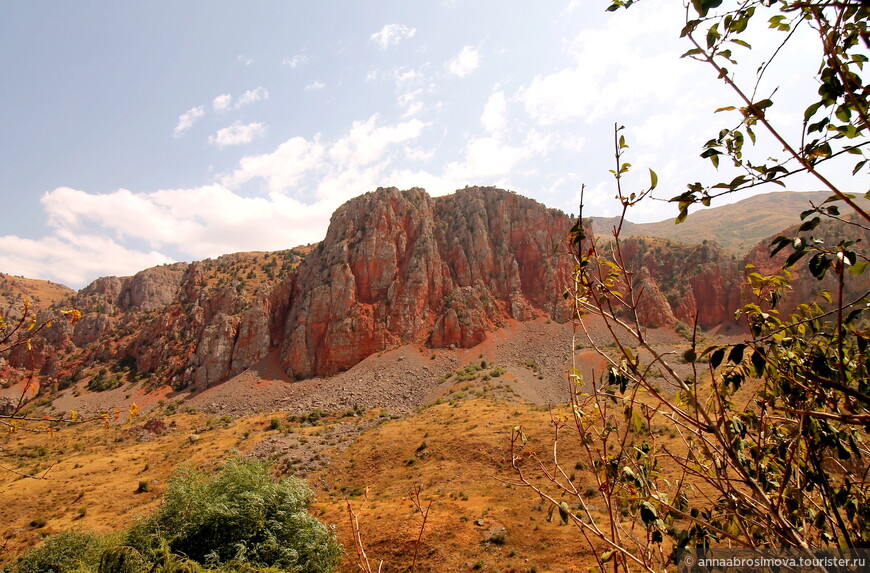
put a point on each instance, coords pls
(676, 282)
(401, 266)
(803, 286)
(395, 267)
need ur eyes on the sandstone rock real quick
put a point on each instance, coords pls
(653, 309)
(398, 266)
(7, 406)
(152, 288)
(211, 363)
(156, 426)
(90, 328)
(395, 267)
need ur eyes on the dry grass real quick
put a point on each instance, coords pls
(455, 450)
(41, 294)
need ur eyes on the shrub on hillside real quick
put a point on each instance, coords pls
(240, 516)
(239, 521)
(62, 553)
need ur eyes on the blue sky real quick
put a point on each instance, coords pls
(136, 134)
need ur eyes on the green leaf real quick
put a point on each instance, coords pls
(858, 268)
(654, 179)
(843, 113)
(819, 264)
(648, 513)
(684, 212)
(702, 7)
(810, 225)
(762, 105)
(692, 52)
(759, 361)
(717, 357)
(781, 242)
(811, 111)
(736, 354)
(853, 315)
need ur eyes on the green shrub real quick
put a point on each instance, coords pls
(240, 515)
(123, 560)
(102, 382)
(314, 416)
(62, 553)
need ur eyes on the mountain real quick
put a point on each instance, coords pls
(40, 294)
(395, 268)
(736, 228)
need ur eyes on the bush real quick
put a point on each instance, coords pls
(241, 515)
(62, 553)
(314, 416)
(102, 382)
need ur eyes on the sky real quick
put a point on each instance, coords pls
(138, 134)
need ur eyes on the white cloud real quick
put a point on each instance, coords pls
(417, 154)
(391, 34)
(295, 61)
(73, 259)
(281, 169)
(465, 62)
(488, 157)
(366, 141)
(494, 118)
(405, 75)
(199, 222)
(306, 180)
(244, 60)
(222, 103)
(610, 76)
(252, 96)
(315, 86)
(187, 119)
(410, 102)
(238, 134)
(359, 160)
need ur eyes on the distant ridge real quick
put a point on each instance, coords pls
(736, 227)
(39, 293)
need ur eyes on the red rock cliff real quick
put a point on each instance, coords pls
(401, 266)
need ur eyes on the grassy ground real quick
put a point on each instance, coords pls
(455, 451)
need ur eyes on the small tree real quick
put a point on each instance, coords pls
(766, 437)
(239, 516)
(22, 328)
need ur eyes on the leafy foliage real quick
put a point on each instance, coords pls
(239, 521)
(240, 515)
(767, 437)
(63, 553)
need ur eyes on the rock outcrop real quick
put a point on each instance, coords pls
(401, 266)
(677, 282)
(395, 267)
